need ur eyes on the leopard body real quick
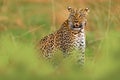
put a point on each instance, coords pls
(69, 37)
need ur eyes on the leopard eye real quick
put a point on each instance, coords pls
(73, 16)
(81, 15)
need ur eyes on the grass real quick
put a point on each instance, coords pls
(24, 22)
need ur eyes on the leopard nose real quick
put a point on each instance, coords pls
(76, 24)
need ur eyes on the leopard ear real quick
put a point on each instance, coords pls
(86, 10)
(69, 9)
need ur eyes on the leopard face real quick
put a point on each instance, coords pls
(77, 18)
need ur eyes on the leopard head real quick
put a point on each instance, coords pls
(77, 18)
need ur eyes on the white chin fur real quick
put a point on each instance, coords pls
(76, 28)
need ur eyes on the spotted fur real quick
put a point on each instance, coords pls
(69, 37)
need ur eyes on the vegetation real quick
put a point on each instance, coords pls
(24, 22)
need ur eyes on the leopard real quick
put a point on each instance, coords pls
(70, 36)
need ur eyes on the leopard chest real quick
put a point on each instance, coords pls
(79, 41)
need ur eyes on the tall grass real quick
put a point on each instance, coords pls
(22, 25)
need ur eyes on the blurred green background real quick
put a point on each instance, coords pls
(24, 22)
